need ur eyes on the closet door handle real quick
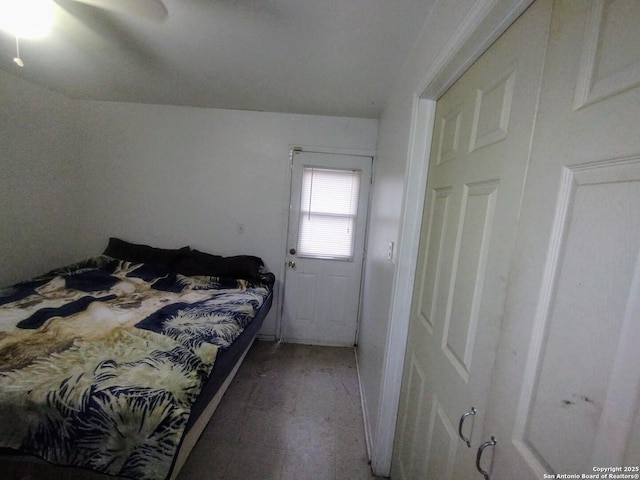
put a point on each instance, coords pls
(490, 443)
(462, 419)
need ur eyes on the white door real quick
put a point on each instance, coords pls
(478, 163)
(566, 393)
(325, 249)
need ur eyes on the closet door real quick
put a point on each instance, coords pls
(477, 167)
(566, 393)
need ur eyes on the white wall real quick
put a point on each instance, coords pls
(38, 210)
(173, 176)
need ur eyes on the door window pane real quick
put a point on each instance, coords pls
(328, 209)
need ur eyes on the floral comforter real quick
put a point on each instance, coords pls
(100, 362)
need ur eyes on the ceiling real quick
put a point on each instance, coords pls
(320, 57)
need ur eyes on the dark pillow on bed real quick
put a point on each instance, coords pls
(136, 253)
(200, 263)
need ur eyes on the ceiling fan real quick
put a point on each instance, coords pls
(34, 18)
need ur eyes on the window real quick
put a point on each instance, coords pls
(328, 209)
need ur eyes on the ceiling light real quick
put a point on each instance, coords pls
(26, 18)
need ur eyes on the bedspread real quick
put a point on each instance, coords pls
(100, 362)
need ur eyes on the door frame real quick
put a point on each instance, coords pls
(483, 24)
(283, 270)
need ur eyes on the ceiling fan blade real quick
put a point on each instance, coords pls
(151, 9)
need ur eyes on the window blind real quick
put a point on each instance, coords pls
(328, 210)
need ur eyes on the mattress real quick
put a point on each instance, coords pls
(107, 364)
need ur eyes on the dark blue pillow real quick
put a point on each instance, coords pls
(199, 263)
(136, 253)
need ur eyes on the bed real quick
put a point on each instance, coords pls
(115, 364)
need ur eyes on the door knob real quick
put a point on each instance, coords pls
(291, 264)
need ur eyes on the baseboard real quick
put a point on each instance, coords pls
(365, 417)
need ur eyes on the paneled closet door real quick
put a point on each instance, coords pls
(566, 393)
(478, 163)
